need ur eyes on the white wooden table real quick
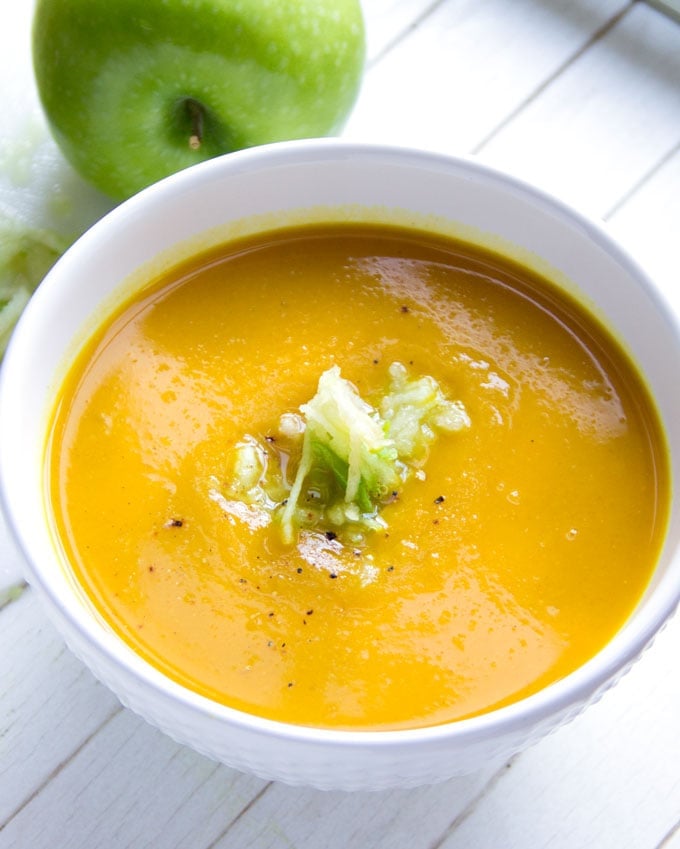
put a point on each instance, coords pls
(581, 97)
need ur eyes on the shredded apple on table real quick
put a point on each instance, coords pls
(352, 458)
(26, 255)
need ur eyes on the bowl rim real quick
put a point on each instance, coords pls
(577, 688)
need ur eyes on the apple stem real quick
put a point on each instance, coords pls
(195, 113)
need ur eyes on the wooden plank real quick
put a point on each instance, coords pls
(467, 66)
(132, 787)
(648, 225)
(609, 780)
(49, 703)
(595, 131)
(286, 817)
(387, 21)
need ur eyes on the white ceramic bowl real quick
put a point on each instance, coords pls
(258, 189)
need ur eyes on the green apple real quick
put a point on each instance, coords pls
(137, 89)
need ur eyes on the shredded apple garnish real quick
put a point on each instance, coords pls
(349, 459)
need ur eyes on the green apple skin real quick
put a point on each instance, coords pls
(135, 90)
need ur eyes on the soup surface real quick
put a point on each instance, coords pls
(513, 555)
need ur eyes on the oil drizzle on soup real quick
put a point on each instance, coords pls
(511, 560)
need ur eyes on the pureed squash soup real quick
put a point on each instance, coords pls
(358, 477)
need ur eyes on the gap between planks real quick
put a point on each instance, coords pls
(402, 34)
(60, 766)
(548, 81)
(646, 177)
(244, 810)
(470, 808)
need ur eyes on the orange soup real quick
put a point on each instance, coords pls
(514, 550)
